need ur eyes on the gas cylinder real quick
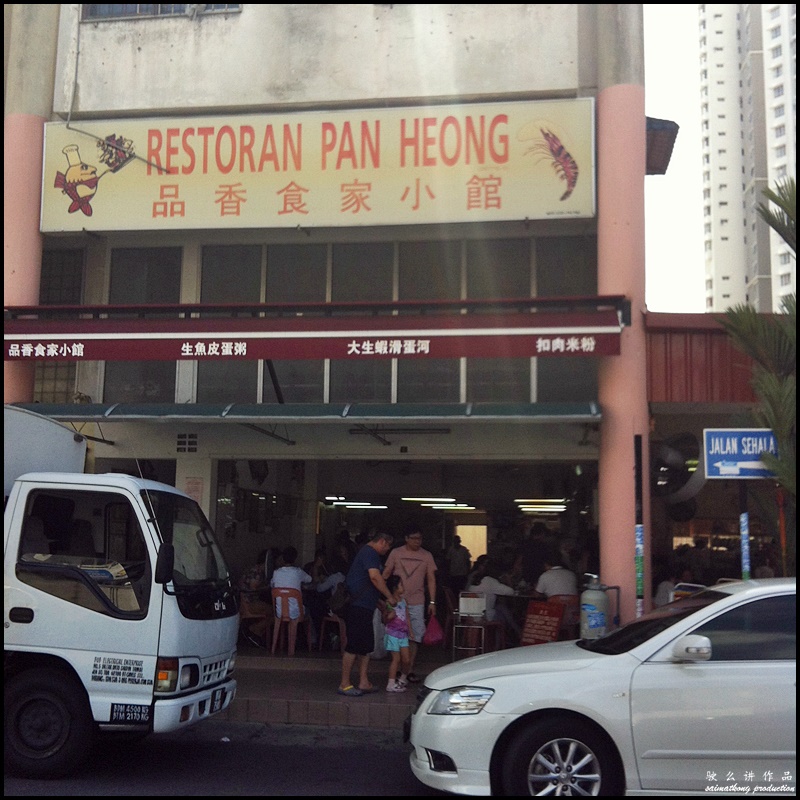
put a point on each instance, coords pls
(594, 608)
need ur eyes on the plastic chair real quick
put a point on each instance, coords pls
(282, 620)
(571, 620)
(332, 619)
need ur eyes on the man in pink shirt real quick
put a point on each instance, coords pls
(417, 569)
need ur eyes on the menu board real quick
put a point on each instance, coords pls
(542, 622)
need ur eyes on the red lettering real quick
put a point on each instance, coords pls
(225, 132)
(188, 168)
(154, 151)
(347, 149)
(205, 134)
(454, 141)
(289, 146)
(411, 141)
(268, 153)
(247, 137)
(374, 145)
(428, 141)
(172, 149)
(499, 156)
(450, 122)
(476, 141)
(328, 141)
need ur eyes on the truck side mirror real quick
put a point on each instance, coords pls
(165, 563)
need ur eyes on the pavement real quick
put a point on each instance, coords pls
(301, 689)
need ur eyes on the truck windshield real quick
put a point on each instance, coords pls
(198, 559)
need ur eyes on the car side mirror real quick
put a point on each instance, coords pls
(165, 563)
(692, 648)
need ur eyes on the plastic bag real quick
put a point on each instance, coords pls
(433, 632)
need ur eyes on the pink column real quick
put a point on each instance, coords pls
(31, 39)
(22, 242)
(621, 156)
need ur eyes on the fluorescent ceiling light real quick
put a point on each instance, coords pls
(362, 505)
(541, 500)
(430, 499)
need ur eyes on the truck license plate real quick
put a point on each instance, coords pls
(128, 712)
(217, 699)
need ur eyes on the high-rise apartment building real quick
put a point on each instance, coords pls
(748, 104)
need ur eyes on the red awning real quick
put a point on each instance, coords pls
(475, 335)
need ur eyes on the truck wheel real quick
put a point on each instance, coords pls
(561, 756)
(48, 724)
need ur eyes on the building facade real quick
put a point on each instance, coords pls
(748, 116)
(315, 263)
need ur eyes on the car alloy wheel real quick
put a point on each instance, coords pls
(560, 757)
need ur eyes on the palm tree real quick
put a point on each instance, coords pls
(771, 342)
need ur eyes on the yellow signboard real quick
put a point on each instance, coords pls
(399, 166)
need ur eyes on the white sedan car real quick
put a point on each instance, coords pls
(696, 697)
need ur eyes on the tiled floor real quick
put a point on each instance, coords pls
(301, 690)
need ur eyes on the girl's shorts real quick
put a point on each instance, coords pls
(393, 644)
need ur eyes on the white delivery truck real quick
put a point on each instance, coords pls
(120, 615)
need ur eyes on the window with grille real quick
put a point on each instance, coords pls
(61, 284)
(98, 11)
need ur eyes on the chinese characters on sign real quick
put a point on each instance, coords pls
(203, 349)
(53, 350)
(560, 344)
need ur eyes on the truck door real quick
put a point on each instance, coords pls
(84, 568)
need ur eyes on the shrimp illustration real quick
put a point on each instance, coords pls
(563, 163)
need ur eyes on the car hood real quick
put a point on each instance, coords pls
(540, 658)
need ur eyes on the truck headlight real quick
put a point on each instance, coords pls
(166, 675)
(461, 700)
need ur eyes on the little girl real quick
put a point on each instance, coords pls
(395, 617)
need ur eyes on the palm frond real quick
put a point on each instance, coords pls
(782, 218)
(769, 341)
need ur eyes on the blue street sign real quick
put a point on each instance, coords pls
(736, 453)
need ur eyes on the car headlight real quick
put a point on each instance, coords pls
(461, 700)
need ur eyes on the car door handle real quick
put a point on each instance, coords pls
(20, 614)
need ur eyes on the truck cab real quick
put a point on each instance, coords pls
(119, 616)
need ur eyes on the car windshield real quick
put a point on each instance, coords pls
(634, 633)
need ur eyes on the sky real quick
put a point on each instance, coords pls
(673, 202)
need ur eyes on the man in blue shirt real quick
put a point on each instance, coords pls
(366, 585)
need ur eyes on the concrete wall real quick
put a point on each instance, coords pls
(312, 54)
